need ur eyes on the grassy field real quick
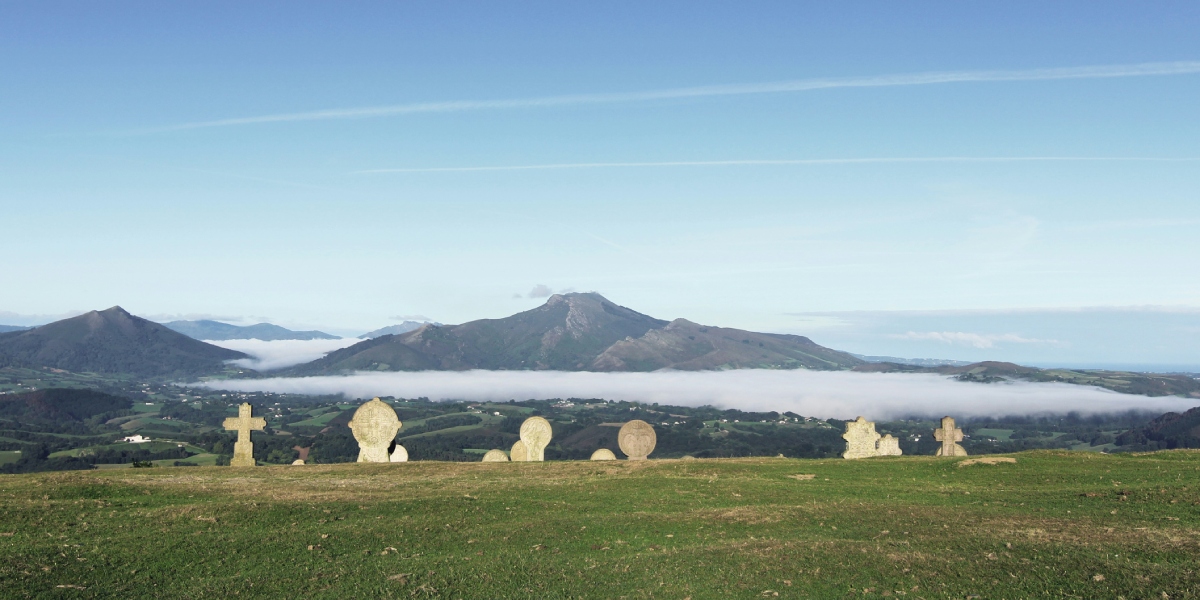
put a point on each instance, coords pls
(1052, 524)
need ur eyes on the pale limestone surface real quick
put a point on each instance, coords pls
(948, 435)
(400, 454)
(536, 433)
(374, 425)
(495, 456)
(298, 461)
(243, 449)
(861, 439)
(518, 452)
(637, 439)
(604, 454)
(889, 446)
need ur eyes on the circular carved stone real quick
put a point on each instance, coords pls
(536, 434)
(637, 439)
(374, 425)
(604, 454)
(400, 454)
(495, 456)
(518, 452)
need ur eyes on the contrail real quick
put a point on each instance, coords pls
(777, 87)
(783, 162)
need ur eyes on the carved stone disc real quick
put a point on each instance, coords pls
(604, 454)
(536, 434)
(637, 439)
(495, 456)
(374, 425)
(518, 452)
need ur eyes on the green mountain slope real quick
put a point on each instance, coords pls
(216, 330)
(579, 332)
(687, 346)
(112, 341)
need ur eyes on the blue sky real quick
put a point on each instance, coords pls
(281, 161)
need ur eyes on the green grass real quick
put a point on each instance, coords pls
(9, 456)
(1000, 434)
(317, 421)
(1054, 524)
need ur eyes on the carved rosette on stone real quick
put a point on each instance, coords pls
(637, 439)
(495, 456)
(536, 433)
(518, 452)
(604, 454)
(860, 439)
(375, 425)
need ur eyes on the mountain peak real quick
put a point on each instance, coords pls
(112, 341)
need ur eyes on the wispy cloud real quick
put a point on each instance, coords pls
(776, 87)
(977, 340)
(279, 354)
(810, 393)
(781, 162)
(420, 318)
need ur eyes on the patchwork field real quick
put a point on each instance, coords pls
(1060, 524)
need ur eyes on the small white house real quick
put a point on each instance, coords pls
(135, 439)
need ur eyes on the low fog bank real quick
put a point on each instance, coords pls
(280, 354)
(823, 394)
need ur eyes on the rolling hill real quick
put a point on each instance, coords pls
(579, 332)
(217, 331)
(8, 328)
(112, 341)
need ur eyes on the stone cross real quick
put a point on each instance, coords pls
(243, 449)
(949, 435)
(861, 439)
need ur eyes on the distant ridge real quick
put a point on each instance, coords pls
(404, 327)
(218, 331)
(112, 341)
(8, 328)
(918, 362)
(579, 332)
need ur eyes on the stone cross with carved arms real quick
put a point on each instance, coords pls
(243, 450)
(949, 436)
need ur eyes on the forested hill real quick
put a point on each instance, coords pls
(112, 341)
(580, 332)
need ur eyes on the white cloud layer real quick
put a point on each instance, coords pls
(839, 394)
(280, 354)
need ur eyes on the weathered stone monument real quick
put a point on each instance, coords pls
(637, 439)
(243, 449)
(949, 435)
(861, 439)
(889, 446)
(298, 461)
(495, 456)
(518, 452)
(604, 454)
(375, 425)
(399, 454)
(536, 433)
